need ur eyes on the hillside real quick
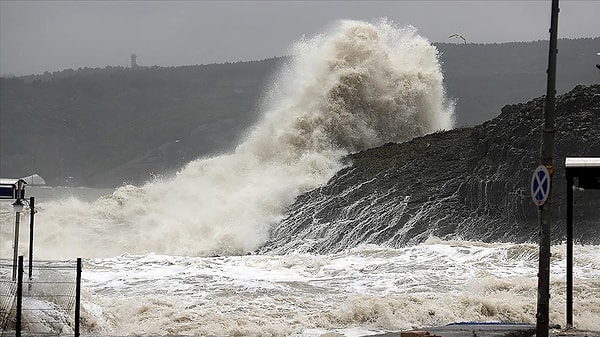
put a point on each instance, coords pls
(470, 183)
(103, 127)
(485, 77)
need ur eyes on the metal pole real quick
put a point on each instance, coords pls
(569, 311)
(31, 221)
(19, 298)
(16, 245)
(78, 297)
(545, 214)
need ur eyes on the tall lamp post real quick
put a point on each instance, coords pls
(18, 207)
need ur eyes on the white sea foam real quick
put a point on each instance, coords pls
(357, 86)
(366, 289)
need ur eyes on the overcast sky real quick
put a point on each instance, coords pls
(38, 36)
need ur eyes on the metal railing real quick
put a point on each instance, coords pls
(48, 303)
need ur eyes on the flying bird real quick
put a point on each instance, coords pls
(458, 36)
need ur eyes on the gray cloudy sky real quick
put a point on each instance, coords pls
(38, 36)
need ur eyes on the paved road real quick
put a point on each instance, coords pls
(475, 330)
(493, 330)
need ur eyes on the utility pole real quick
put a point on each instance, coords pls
(545, 213)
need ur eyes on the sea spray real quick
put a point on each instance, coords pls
(356, 86)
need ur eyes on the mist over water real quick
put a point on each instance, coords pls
(356, 86)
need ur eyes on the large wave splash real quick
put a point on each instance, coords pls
(357, 86)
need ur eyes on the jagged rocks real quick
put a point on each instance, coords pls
(470, 183)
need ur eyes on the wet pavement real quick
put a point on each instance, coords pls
(488, 330)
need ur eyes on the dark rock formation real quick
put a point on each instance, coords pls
(469, 183)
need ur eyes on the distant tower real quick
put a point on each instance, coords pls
(133, 64)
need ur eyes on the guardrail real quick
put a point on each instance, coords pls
(48, 303)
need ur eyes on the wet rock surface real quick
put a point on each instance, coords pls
(469, 183)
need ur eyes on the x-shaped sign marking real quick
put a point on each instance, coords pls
(540, 185)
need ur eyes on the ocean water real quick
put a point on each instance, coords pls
(363, 290)
(175, 256)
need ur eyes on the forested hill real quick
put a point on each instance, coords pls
(102, 127)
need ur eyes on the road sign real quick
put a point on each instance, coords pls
(540, 185)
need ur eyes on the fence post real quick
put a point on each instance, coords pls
(19, 297)
(78, 298)
(31, 220)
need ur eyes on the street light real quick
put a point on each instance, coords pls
(18, 207)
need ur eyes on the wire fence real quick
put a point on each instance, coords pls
(45, 304)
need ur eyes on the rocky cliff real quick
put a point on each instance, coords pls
(469, 183)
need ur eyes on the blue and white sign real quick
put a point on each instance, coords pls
(540, 185)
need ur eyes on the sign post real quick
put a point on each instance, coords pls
(545, 209)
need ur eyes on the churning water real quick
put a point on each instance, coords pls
(358, 86)
(168, 257)
(362, 290)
